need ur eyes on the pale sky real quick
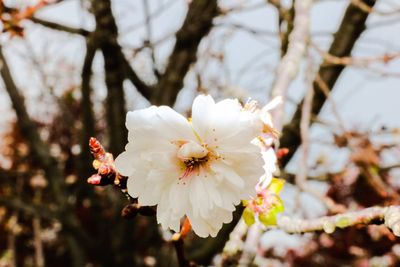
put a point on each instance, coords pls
(364, 99)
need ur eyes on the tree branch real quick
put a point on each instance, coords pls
(59, 27)
(290, 63)
(28, 208)
(197, 24)
(40, 150)
(390, 216)
(350, 29)
(41, 153)
(107, 34)
(131, 75)
(88, 121)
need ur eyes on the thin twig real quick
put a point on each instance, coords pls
(301, 176)
(149, 32)
(327, 92)
(355, 61)
(59, 27)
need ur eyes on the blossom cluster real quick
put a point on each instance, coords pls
(197, 169)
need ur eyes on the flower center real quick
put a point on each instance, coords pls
(193, 156)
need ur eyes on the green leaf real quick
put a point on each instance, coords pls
(267, 218)
(276, 185)
(277, 204)
(248, 216)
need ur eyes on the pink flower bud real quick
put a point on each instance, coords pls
(95, 179)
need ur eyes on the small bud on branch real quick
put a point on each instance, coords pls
(104, 164)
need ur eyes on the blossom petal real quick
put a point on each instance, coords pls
(123, 163)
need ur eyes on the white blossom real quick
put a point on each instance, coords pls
(266, 139)
(199, 168)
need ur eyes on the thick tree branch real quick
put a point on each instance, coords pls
(88, 120)
(107, 34)
(390, 216)
(197, 24)
(350, 29)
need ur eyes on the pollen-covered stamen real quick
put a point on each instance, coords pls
(193, 156)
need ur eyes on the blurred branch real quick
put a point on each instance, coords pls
(390, 167)
(60, 27)
(350, 29)
(88, 120)
(39, 149)
(182, 261)
(356, 61)
(251, 245)
(288, 19)
(70, 224)
(197, 24)
(290, 63)
(162, 7)
(28, 208)
(131, 75)
(238, 26)
(117, 68)
(290, 177)
(301, 176)
(327, 92)
(149, 32)
(286, 23)
(107, 34)
(41, 152)
(390, 216)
